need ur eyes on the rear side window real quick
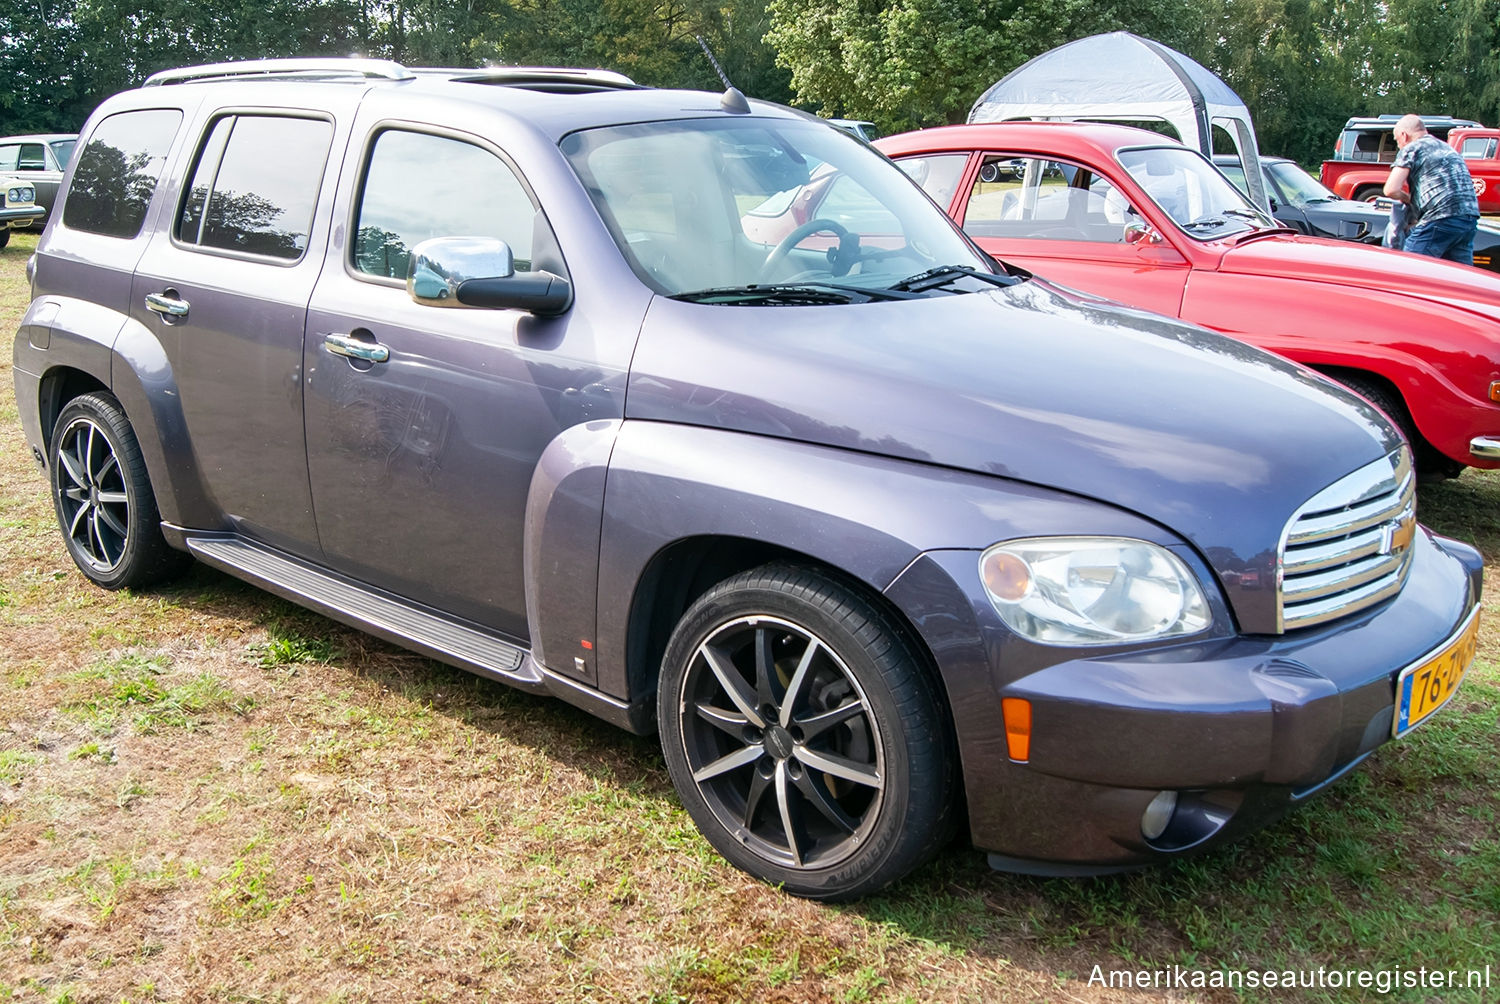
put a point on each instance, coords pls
(255, 185)
(419, 186)
(9, 154)
(31, 157)
(118, 170)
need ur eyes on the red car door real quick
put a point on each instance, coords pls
(1071, 225)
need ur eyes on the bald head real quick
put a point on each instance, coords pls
(1408, 128)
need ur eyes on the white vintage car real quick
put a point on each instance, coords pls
(19, 208)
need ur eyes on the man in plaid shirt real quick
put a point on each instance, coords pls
(1441, 193)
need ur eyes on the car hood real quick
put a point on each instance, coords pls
(1314, 259)
(1346, 214)
(1210, 437)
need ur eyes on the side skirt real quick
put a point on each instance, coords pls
(403, 623)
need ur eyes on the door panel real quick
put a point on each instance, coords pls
(421, 464)
(225, 289)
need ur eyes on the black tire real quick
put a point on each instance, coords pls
(103, 499)
(4, 236)
(829, 814)
(1430, 463)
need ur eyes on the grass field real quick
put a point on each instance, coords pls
(208, 794)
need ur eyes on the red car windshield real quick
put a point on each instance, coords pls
(1192, 192)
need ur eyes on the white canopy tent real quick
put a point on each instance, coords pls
(1123, 77)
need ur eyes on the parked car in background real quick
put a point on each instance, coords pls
(857, 127)
(1366, 148)
(1132, 216)
(19, 209)
(1303, 203)
(879, 537)
(41, 159)
(1480, 149)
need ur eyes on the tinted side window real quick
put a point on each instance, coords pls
(255, 185)
(419, 186)
(118, 170)
(32, 158)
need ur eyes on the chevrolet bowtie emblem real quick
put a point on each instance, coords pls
(1397, 536)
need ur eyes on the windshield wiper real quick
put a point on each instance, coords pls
(1246, 214)
(1206, 222)
(789, 293)
(934, 278)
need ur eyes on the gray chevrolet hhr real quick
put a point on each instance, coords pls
(555, 378)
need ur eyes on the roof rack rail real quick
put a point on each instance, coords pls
(528, 75)
(302, 69)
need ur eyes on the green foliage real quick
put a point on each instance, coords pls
(910, 63)
(61, 57)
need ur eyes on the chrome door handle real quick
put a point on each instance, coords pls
(355, 348)
(167, 304)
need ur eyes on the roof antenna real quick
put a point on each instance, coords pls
(732, 100)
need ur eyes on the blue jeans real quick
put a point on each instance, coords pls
(1451, 237)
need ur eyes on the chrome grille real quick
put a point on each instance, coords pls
(1350, 545)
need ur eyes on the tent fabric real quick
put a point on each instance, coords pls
(1122, 76)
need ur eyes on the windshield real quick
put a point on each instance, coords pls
(713, 204)
(1192, 192)
(1299, 187)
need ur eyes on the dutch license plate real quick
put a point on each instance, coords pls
(1425, 687)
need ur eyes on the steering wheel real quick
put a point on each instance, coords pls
(842, 258)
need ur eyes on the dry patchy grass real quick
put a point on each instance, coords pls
(208, 794)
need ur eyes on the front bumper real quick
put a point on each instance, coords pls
(1243, 727)
(1485, 447)
(21, 217)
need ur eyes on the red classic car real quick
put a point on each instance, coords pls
(1134, 217)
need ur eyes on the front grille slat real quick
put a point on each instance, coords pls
(1341, 579)
(1349, 521)
(1349, 547)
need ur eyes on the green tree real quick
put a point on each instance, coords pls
(909, 63)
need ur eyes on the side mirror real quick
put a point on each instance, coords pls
(1274, 204)
(1141, 234)
(480, 272)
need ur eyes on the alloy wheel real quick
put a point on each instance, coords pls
(781, 742)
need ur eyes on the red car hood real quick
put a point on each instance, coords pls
(1366, 266)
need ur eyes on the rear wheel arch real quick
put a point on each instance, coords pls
(60, 385)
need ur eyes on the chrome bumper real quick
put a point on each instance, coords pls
(1485, 447)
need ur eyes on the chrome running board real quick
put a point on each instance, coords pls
(381, 614)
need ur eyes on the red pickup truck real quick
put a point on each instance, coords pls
(1481, 151)
(1366, 148)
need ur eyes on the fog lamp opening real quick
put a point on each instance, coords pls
(1158, 815)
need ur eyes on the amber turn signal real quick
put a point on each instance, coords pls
(1495, 391)
(1017, 714)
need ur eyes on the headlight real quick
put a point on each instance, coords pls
(22, 194)
(1092, 590)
